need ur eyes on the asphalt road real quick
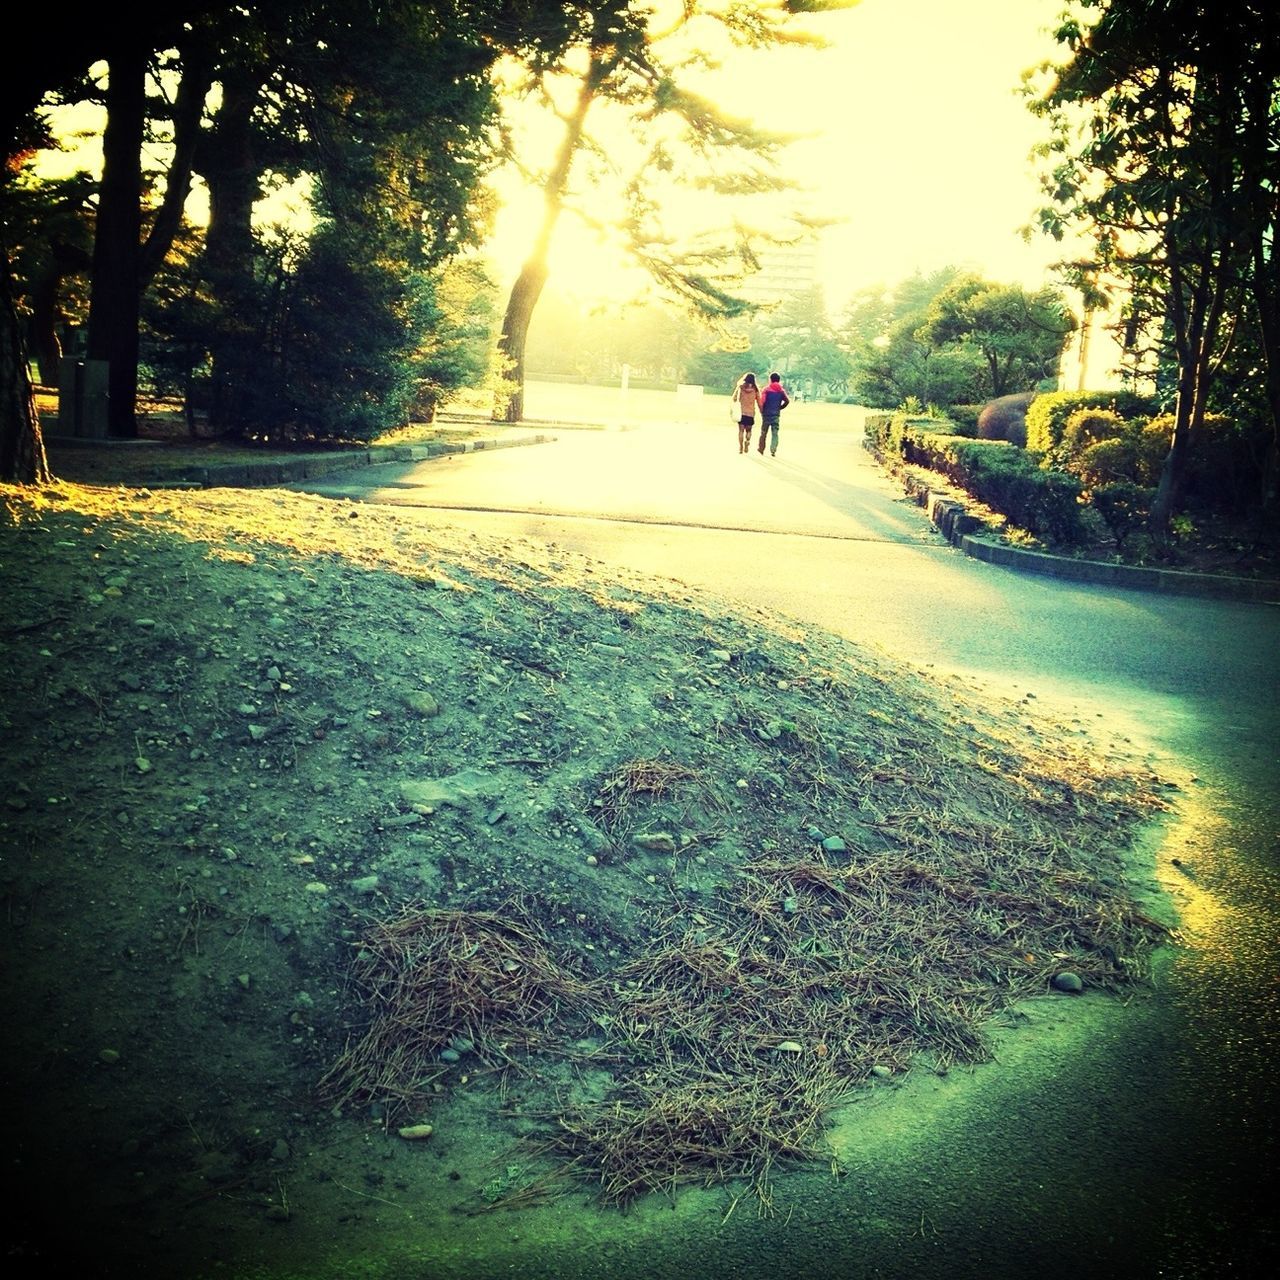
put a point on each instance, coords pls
(1119, 1140)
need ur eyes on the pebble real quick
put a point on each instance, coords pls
(833, 844)
(109, 1056)
(365, 884)
(881, 1071)
(415, 1132)
(280, 1150)
(1068, 981)
(656, 841)
(790, 1046)
(450, 1055)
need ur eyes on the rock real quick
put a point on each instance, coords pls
(280, 1150)
(615, 649)
(790, 1046)
(143, 764)
(258, 732)
(245, 980)
(415, 1132)
(109, 1056)
(881, 1072)
(274, 673)
(722, 655)
(422, 702)
(457, 789)
(833, 844)
(655, 841)
(450, 1055)
(365, 884)
(400, 820)
(815, 833)
(315, 886)
(1068, 981)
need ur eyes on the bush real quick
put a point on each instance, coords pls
(1006, 479)
(1048, 413)
(1088, 426)
(1225, 463)
(965, 416)
(1005, 418)
(1124, 506)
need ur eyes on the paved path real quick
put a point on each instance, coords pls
(1120, 1140)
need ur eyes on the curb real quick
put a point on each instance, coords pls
(964, 531)
(309, 467)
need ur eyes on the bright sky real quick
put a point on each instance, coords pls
(922, 151)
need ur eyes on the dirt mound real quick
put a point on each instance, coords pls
(320, 823)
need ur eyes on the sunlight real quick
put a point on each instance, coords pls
(911, 136)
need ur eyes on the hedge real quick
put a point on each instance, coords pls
(1048, 413)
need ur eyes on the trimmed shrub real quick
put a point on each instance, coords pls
(1048, 413)
(1088, 426)
(1006, 479)
(965, 416)
(1005, 418)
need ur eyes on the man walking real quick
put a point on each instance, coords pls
(772, 402)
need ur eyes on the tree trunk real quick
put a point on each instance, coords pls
(22, 455)
(232, 177)
(114, 298)
(42, 328)
(533, 275)
(188, 109)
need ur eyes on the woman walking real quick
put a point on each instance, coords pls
(746, 395)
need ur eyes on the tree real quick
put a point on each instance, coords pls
(1019, 335)
(623, 60)
(1163, 151)
(25, 82)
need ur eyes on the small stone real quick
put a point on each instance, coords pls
(789, 906)
(655, 841)
(422, 702)
(247, 709)
(142, 764)
(450, 1055)
(109, 1056)
(1068, 981)
(722, 655)
(815, 833)
(274, 673)
(244, 980)
(365, 884)
(790, 1046)
(592, 860)
(415, 1132)
(881, 1072)
(615, 649)
(316, 887)
(833, 844)
(257, 732)
(280, 1150)
(145, 623)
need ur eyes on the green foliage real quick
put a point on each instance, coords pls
(1019, 335)
(1123, 505)
(1048, 413)
(965, 416)
(999, 475)
(1088, 426)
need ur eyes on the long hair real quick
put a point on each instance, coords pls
(748, 380)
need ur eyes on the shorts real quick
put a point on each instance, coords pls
(746, 421)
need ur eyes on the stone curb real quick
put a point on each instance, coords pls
(964, 531)
(260, 474)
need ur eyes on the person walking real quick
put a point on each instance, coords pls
(746, 395)
(772, 402)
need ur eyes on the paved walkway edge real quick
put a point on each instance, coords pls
(309, 466)
(964, 531)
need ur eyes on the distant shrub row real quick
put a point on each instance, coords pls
(999, 474)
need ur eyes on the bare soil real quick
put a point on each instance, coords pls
(319, 824)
